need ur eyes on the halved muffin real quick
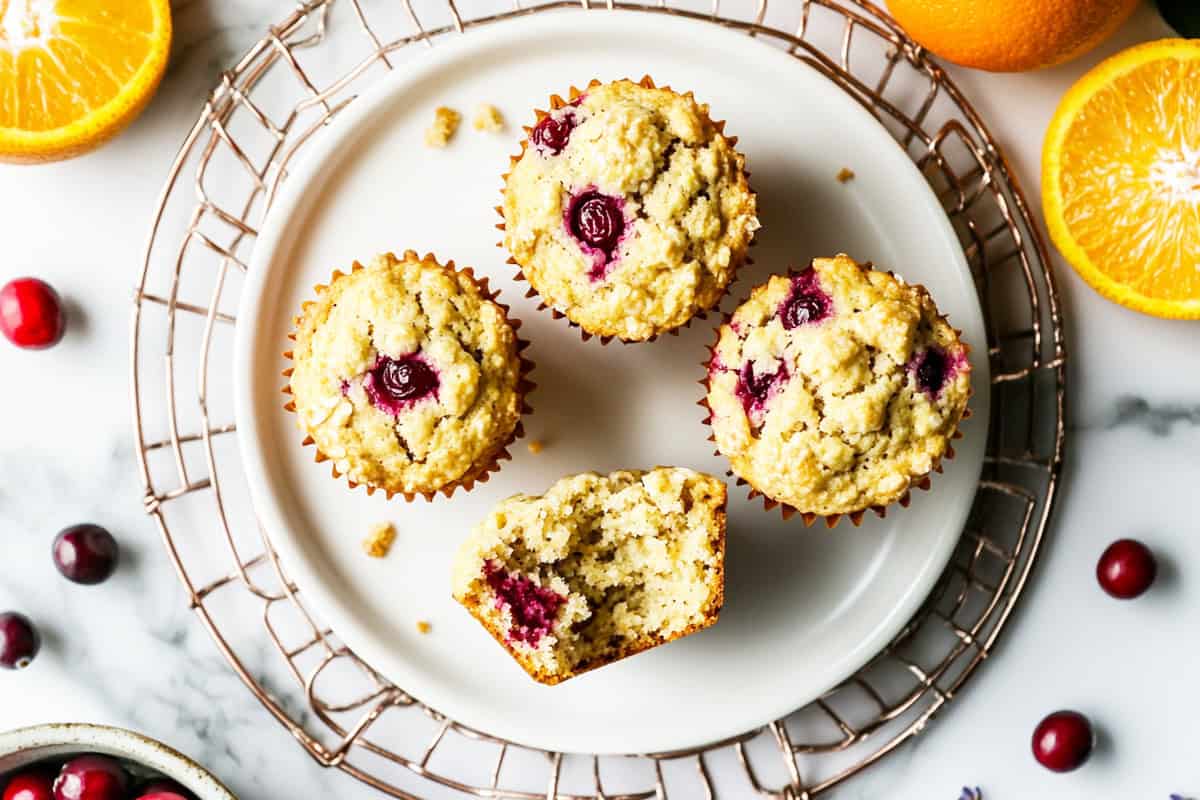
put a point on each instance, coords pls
(598, 568)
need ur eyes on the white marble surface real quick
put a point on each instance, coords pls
(130, 652)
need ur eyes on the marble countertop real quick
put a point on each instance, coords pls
(132, 654)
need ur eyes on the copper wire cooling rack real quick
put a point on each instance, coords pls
(261, 115)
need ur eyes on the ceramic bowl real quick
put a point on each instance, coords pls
(26, 746)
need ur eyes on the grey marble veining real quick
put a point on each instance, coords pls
(1158, 419)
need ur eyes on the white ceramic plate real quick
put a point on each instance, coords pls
(805, 607)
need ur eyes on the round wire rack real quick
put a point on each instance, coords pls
(264, 111)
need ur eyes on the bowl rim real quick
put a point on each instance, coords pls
(122, 743)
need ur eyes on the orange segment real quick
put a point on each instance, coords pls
(75, 72)
(1121, 178)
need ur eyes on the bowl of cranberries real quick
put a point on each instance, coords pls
(95, 762)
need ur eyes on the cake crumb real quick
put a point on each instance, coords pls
(445, 123)
(379, 540)
(488, 118)
(423, 626)
(536, 446)
(845, 174)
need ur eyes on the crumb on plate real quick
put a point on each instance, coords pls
(845, 174)
(379, 540)
(445, 123)
(536, 446)
(488, 118)
(423, 626)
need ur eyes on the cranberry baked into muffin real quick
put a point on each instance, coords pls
(628, 210)
(407, 375)
(598, 568)
(836, 389)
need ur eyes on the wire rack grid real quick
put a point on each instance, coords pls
(261, 115)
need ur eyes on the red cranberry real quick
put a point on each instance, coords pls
(931, 371)
(803, 308)
(755, 389)
(407, 379)
(161, 796)
(31, 314)
(807, 302)
(91, 778)
(1063, 741)
(395, 383)
(29, 786)
(19, 640)
(534, 608)
(553, 132)
(597, 220)
(85, 553)
(1126, 569)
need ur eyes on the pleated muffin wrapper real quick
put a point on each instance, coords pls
(573, 95)
(922, 482)
(483, 467)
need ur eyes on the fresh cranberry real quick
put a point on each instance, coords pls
(91, 778)
(806, 304)
(553, 132)
(395, 383)
(161, 796)
(1126, 569)
(1063, 741)
(19, 640)
(597, 220)
(534, 608)
(85, 553)
(31, 314)
(29, 786)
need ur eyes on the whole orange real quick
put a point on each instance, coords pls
(1010, 35)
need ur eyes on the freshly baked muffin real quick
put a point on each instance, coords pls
(408, 375)
(834, 390)
(597, 569)
(628, 210)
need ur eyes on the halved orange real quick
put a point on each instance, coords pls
(73, 73)
(1121, 178)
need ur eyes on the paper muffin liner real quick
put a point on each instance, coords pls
(922, 482)
(481, 470)
(557, 102)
